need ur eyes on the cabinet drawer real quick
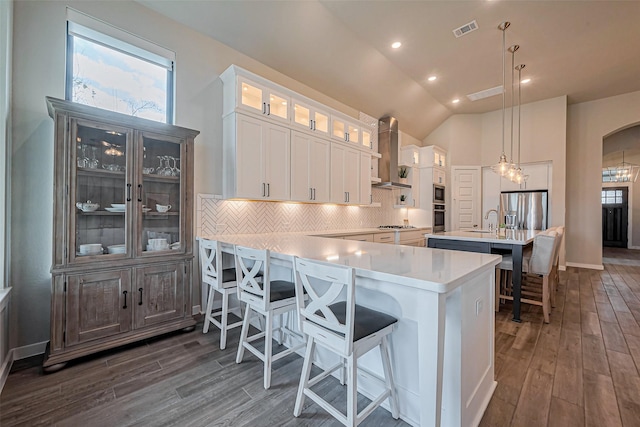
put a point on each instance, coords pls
(411, 235)
(384, 238)
(360, 237)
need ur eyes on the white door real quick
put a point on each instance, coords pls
(490, 195)
(466, 197)
(352, 176)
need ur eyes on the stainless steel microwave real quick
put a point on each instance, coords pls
(438, 193)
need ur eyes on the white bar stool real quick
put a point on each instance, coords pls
(341, 326)
(219, 280)
(266, 297)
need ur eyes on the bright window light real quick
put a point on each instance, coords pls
(114, 75)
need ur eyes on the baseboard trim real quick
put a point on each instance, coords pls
(196, 310)
(589, 266)
(5, 369)
(29, 350)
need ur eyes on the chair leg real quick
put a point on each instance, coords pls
(243, 334)
(304, 376)
(388, 377)
(268, 337)
(207, 313)
(224, 320)
(280, 333)
(545, 298)
(352, 390)
(554, 285)
(497, 308)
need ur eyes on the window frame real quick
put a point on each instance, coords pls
(102, 33)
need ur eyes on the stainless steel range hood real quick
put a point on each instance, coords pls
(389, 150)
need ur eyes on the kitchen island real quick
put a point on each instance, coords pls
(443, 345)
(513, 241)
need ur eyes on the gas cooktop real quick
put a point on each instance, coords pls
(395, 227)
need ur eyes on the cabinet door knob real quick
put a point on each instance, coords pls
(264, 108)
(139, 192)
(140, 290)
(125, 299)
(128, 192)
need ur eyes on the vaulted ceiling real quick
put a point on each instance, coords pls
(583, 49)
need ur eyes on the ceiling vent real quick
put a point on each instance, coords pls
(466, 28)
(485, 93)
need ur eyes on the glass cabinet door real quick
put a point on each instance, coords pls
(99, 199)
(251, 96)
(158, 196)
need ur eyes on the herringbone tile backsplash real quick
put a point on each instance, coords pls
(217, 216)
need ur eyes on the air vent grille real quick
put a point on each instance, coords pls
(485, 93)
(466, 29)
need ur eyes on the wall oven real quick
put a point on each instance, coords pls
(438, 193)
(438, 217)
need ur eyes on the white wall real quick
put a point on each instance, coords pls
(588, 123)
(475, 139)
(39, 71)
(6, 29)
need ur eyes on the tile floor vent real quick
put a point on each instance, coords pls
(485, 93)
(466, 29)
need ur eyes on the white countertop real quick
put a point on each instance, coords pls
(514, 237)
(436, 270)
(350, 232)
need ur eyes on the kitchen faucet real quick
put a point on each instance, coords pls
(486, 216)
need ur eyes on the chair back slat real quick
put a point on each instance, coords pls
(252, 271)
(211, 262)
(324, 285)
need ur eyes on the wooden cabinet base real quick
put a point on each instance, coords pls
(54, 361)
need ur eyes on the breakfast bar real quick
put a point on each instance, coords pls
(513, 241)
(443, 345)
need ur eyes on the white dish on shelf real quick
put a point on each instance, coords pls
(146, 209)
(115, 209)
(118, 205)
(116, 249)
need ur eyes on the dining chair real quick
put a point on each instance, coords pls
(536, 273)
(219, 280)
(330, 318)
(268, 298)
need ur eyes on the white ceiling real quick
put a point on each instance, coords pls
(583, 49)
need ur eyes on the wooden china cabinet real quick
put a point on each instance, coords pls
(112, 283)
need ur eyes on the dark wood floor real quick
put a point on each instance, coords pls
(582, 369)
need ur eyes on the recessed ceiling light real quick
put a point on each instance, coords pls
(396, 45)
(455, 101)
(432, 78)
(525, 81)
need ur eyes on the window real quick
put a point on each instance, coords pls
(115, 70)
(611, 197)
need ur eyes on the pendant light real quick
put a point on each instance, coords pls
(502, 167)
(511, 173)
(520, 177)
(624, 172)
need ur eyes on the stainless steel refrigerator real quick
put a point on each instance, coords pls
(529, 207)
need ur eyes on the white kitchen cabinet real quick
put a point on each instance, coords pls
(261, 99)
(310, 118)
(538, 178)
(439, 176)
(343, 129)
(364, 181)
(366, 138)
(260, 154)
(310, 159)
(433, 155)
(345, 174)
(410, 155)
